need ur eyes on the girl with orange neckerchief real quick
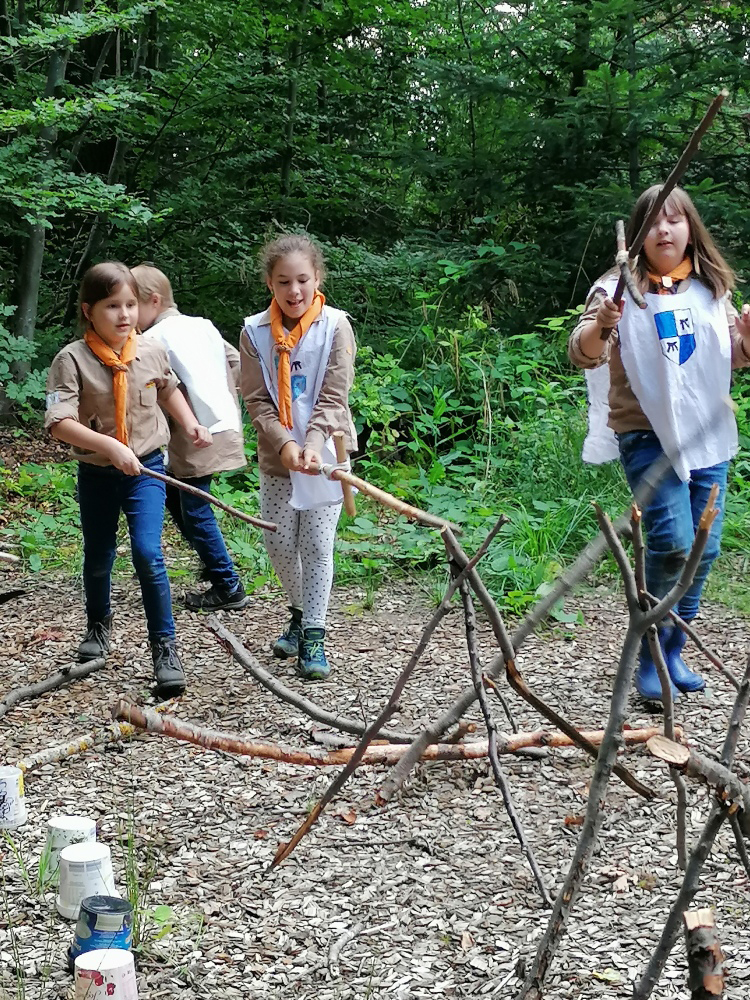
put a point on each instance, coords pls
(297, 368)
(661, 383)
(104, 398)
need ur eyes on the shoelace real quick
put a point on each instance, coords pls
(96, 631)
(314, 649)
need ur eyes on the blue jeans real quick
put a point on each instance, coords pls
(102, 493)
(195, 519)
(671, 518)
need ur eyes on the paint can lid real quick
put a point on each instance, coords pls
(97, 905)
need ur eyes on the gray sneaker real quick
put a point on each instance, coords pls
(95, 644)
(168, 672)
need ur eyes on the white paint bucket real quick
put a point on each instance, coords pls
(12, 800)
(62, 831)
(85, 870)
(105, 973)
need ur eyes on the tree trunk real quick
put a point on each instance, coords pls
(30, 269)
(634, 164)
(295, 61)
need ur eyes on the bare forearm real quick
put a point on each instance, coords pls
(590, 340)
(76, 434)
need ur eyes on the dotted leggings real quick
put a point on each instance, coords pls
(301, 550)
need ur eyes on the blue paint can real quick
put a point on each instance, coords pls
(104, 922)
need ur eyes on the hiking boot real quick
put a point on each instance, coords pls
(288, 642)
(647, 682)
(95, 643)
(682, 676)
(168, 672)
(312, 662)
(218, 599)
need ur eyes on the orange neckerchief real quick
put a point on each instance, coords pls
(285, 344)
(119, 365)
(682, 271)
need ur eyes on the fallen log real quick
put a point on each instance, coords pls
(212, 739)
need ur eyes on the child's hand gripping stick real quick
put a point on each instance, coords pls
(339, 444)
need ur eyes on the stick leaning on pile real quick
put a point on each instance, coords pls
(671, 182)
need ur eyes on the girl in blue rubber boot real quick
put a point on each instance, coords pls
(661, 381)
(297, 368)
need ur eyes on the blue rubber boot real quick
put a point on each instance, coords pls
(682, 676)
(647, 682)
(287, 645)
(312, 662)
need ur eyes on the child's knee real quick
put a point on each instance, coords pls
(147, 557)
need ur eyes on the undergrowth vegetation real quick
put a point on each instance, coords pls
(453, 416)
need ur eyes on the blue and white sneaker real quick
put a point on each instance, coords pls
(287, 645)
(312, 662)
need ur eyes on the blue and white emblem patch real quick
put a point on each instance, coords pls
(676, 334)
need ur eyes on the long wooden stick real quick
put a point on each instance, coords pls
(339, 444)
(412, 513)
(211, 739)
(671, 182)
(391, 706)
(194, 491)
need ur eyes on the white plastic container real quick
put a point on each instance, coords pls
(12, 800)
(85, 870)
(62, 831)
(105, 973)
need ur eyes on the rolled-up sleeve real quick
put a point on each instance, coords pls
(331, 410)
(576, 355)
(63, 390)
(167, 382)
(260, 406)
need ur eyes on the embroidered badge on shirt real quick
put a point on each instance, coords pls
(52, 398)
(676, 334)
(150, 385)
(299, 384)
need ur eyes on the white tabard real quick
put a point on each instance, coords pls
(677, 355)
(309, 361)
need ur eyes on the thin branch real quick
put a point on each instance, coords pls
(232, 644)
(500, 780)
(286, 849)
(691, 880)
(639, 555)
(739, 840)
(64, 676)
(533, 986)
(668, 705)
(209, 498)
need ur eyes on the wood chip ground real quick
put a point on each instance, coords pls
(428, 897)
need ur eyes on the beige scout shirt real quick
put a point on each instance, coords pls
(79, 386)
(227, 452)
(625, 413)
(331, 412)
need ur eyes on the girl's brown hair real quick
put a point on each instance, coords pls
(272, 252)
(708, 261)
(101, 281)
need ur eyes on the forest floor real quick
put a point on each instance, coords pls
(435, 884)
